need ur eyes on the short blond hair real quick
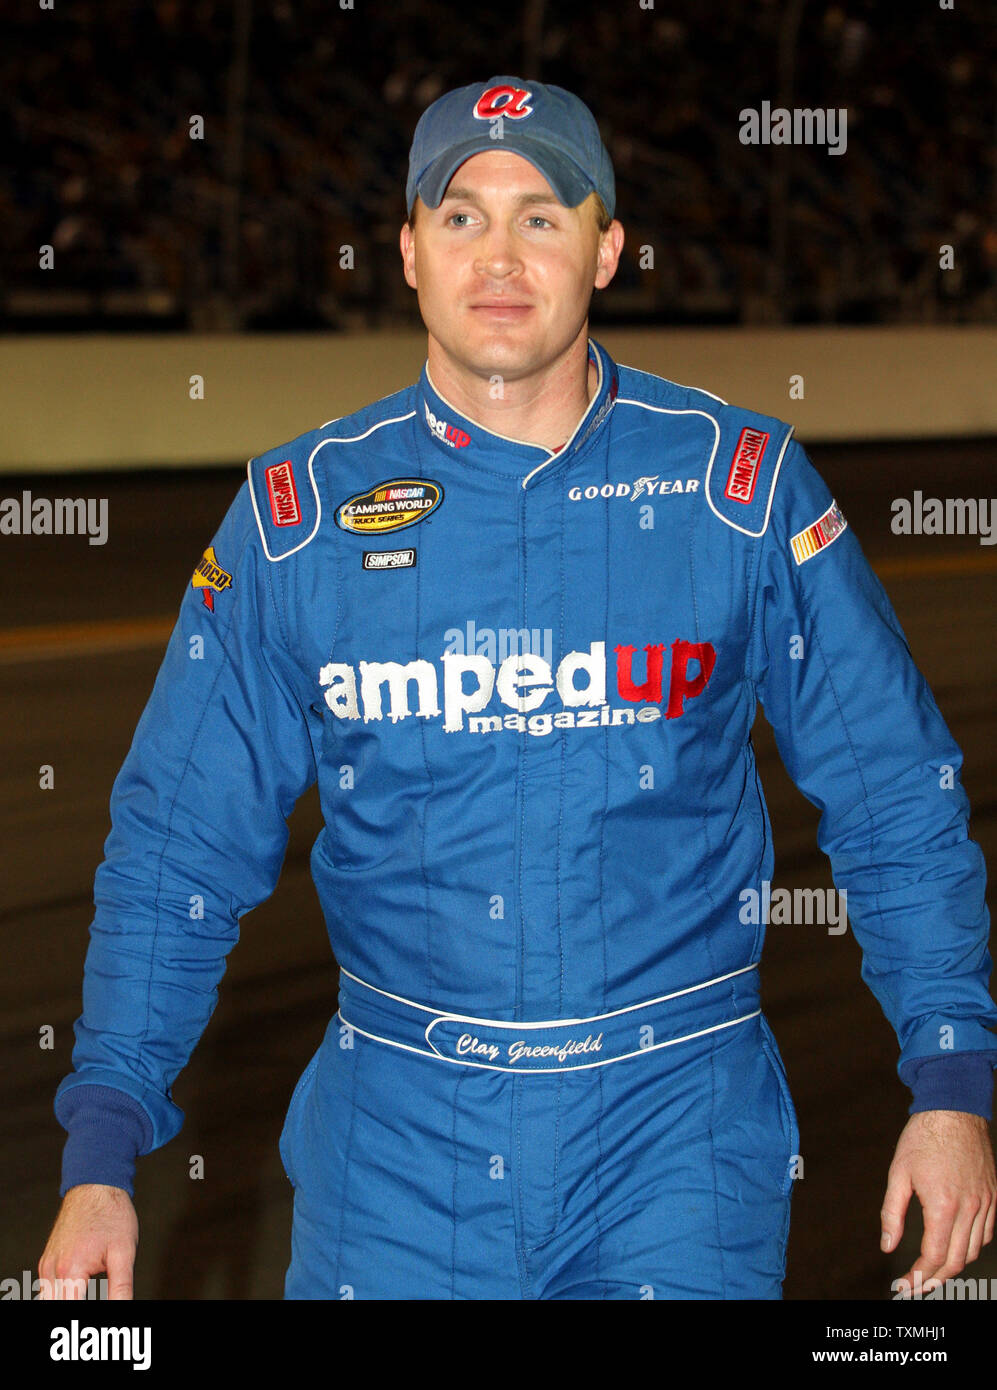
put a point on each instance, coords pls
(602, 218)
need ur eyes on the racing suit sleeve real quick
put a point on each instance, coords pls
(862, 737)
(223, 750)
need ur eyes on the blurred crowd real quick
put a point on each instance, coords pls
(245, 227)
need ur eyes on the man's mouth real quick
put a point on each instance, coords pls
(501, 308)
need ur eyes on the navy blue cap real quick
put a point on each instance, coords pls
(547, 125)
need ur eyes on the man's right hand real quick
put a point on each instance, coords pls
(96, 1232)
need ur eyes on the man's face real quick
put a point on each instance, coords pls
(503, 271)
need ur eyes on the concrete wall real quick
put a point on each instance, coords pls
(96, 401)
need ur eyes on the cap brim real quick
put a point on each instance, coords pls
(570, 185)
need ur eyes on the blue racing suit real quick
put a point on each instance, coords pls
(525, 681)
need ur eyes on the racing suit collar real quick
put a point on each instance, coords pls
(449, 429)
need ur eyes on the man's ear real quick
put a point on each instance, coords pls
(407, 245)
(610, 246)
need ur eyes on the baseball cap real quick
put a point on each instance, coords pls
(547, 125)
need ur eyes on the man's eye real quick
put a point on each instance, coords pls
(536, 217)
(457, 214)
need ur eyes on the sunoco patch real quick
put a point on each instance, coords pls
(210, 577)
(389, 506)
(388, 559)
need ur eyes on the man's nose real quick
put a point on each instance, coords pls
(498, 254)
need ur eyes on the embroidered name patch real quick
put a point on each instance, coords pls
(824, 530)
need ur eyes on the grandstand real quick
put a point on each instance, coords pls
(308, 110)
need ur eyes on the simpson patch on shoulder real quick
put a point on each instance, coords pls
(805, 544)
(285, 500)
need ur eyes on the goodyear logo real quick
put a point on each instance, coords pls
(209, 576)
(389, 506)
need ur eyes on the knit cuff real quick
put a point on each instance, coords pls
(962, 1081)
(107, 1131)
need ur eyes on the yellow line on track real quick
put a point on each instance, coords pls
(57, 640)
(924, 566)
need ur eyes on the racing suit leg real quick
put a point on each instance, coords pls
(675, 1175)
(666, 1176)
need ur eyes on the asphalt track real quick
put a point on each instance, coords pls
(83, 632)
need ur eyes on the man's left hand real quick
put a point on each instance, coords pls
(945, 1157)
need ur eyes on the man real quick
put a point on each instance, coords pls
(516, 620)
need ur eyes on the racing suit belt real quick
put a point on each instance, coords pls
(568, 1044)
